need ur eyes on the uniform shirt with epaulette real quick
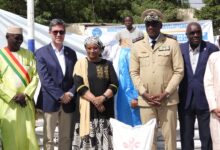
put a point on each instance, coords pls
(157, 70)
(126, 37)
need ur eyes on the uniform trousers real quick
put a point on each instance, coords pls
(166, 119)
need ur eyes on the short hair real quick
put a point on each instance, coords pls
(191, 24)
(128, 17)
(55, 22)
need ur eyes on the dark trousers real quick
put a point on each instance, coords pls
(187, 119)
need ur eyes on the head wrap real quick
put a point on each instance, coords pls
(152, 15)
(14, 30)
(94, 40)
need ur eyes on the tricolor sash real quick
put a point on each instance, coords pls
(15, 65)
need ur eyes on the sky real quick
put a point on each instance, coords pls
(198, 4)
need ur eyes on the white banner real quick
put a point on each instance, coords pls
(178, 29)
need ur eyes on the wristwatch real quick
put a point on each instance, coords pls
(106, 98)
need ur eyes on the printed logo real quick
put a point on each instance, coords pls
(97, 32)
(131, 144)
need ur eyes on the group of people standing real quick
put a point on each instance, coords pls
(169, 79)
(157, 78)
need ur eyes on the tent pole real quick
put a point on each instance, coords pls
(30, 25)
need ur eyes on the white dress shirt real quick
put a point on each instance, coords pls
(150, 40)
(194, 57)
(60, 57)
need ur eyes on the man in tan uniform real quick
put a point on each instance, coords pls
(156, 68)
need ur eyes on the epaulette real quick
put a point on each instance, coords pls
(170, 36)
(137, 39)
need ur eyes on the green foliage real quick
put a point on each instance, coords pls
(108, 11)
(212, 2)
(14, 6)
(209, 12)
(43, 18)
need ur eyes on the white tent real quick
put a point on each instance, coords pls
(41, 33)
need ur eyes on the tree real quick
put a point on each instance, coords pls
(210, 12)
(212, 2)
(167, 7)
(97, 11)
(14, 6)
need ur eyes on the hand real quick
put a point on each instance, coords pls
(134, 103)
(98, 100)
(101, 108)
(20, 99)
(150, 99)
(160, 97)
(98, 103)
(66, 98)
(217, 112)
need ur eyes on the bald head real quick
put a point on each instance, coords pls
(194, 34)
(188, 28)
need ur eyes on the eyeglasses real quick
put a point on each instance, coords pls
(152, 23)
(61, 32)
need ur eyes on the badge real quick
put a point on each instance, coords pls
(164, 48)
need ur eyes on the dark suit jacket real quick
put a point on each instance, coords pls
(53, 83)
(192, 84)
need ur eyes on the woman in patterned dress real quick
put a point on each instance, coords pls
(96, 83)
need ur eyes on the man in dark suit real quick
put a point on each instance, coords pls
(55, 64)
(193, 103)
